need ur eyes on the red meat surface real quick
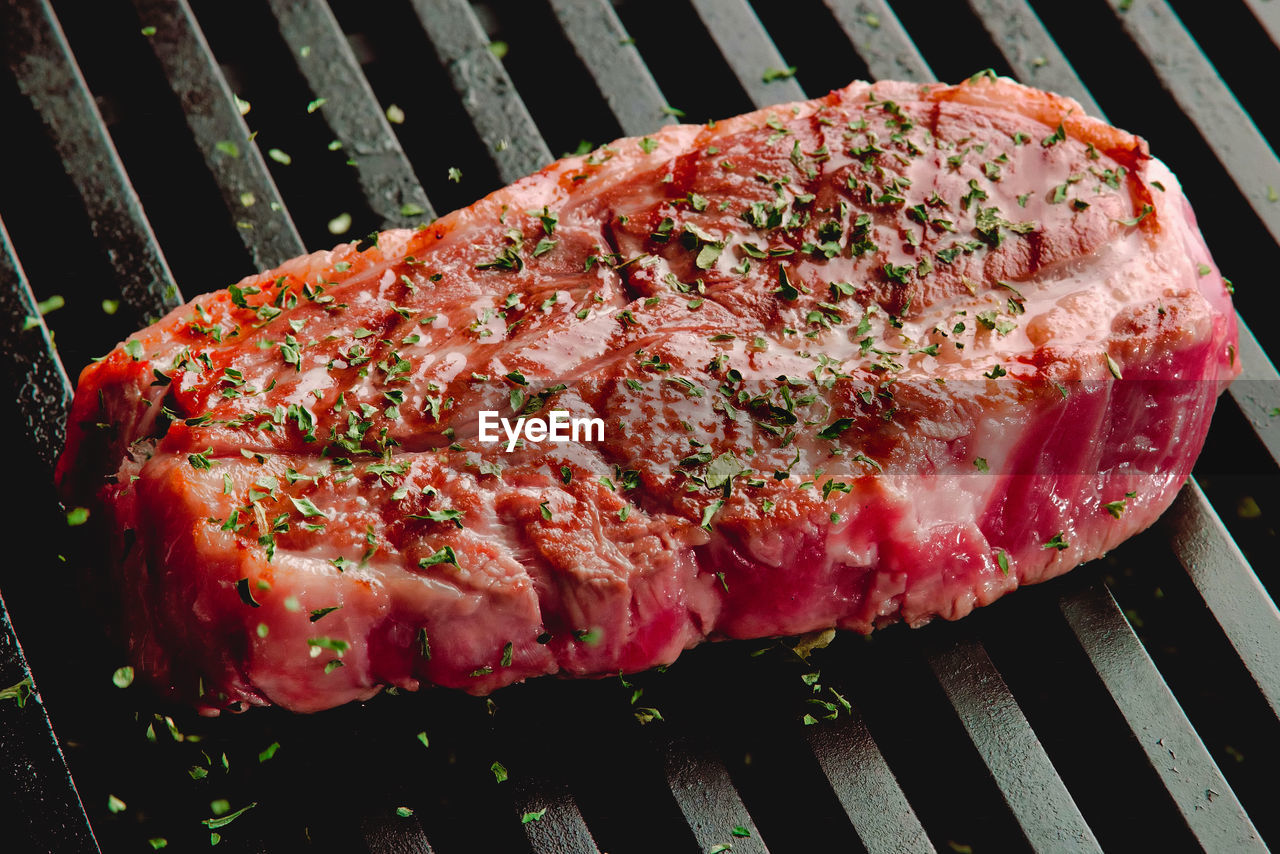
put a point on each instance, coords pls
(884, 355)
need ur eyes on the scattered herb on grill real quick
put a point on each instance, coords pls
(19, 692)
(340, 224)
(224, 820)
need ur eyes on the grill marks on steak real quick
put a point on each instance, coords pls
(809, 330)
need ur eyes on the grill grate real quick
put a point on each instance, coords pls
(957, 735)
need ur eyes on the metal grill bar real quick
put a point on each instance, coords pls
(1238, 601)
(1257, 390)
(1030, 51)
(350, 109)
(220, 133)
(541, 795)
(878, 38)
(1268, 15)
(39, 785)
(499, 115)
(561, 827)
(610, 56)
(30, 364)
(1200, 792)
(866, 788)
(48, 76)
(705, 793)
(1032, 789)
(390, 834)
(42, 783)
(495, 108)
(748, 50)
(40, 798)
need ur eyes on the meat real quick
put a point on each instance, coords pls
(885, 355)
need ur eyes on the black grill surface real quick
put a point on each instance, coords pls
(1133, 704)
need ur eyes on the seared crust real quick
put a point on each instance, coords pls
(881, 355)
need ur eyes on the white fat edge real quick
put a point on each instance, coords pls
(394, 242)
(449, 364)
(931, 501)
(566, 349)
(563, 303)
(495, 325)
(377, 575)
(439, 320)
(1169, 206)
(312, 379)
(849, 543)
(432, 375)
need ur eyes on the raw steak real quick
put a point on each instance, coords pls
(884, 355)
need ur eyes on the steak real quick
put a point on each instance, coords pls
(884, 355)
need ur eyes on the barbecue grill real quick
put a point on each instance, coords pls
(1133, 704)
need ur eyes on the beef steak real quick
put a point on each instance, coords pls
(884, 355)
